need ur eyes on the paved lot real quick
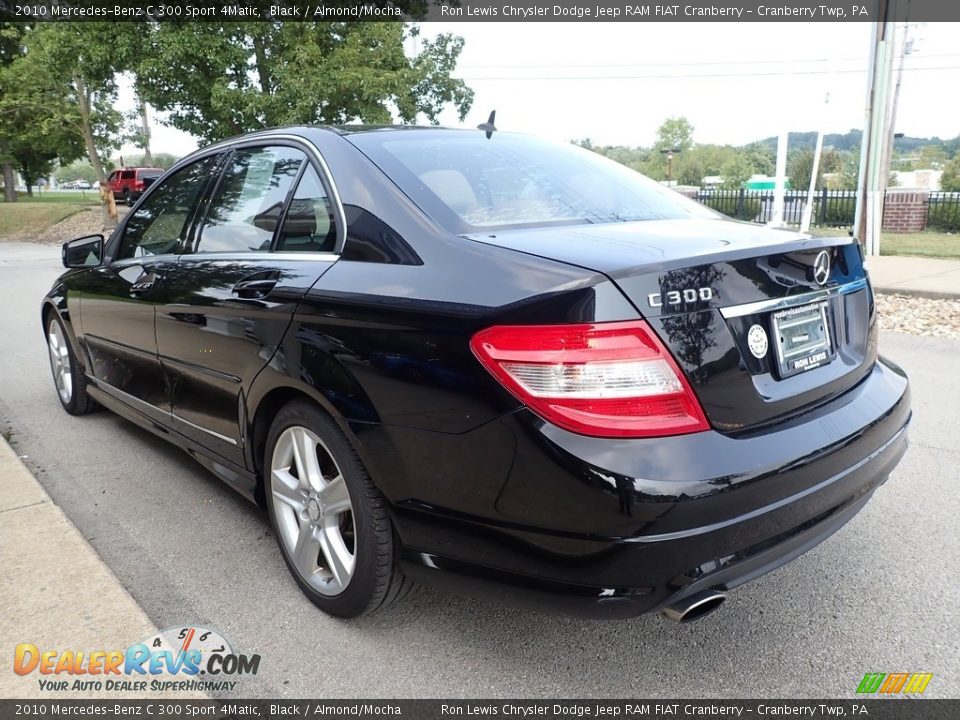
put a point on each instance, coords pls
(878, 596)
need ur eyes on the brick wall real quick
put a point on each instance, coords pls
(905, 211)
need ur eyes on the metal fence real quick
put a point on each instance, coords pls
(943, 211)
(831, 208)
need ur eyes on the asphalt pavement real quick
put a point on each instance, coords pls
(879, 596)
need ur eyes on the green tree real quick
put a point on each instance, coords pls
(85, 58)
(950, 180)
(77, 170)
(762, 158)
(247, 76)
(676, 133)
(736, 172)
(674, 137)
(800, 168)
(34, 117)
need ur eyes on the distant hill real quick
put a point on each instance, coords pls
(851, 139)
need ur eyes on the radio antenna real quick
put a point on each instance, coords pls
(488, 127)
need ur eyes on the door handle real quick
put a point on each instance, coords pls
(143, 285)
(257, 286)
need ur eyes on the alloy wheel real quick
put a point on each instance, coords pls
(313, 510)
(60, 361)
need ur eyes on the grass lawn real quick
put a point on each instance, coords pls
(83, 197)
(31, 216)
(927, 243)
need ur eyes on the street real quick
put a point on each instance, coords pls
(879, 596)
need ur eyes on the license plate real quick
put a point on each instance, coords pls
(802, 337)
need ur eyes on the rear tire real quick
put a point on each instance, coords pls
(68, 377)
(330, 521)
(127, 198)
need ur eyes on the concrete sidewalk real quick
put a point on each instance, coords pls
(918, 276)
(55, 591)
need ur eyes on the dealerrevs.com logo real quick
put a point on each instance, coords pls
(190, 659)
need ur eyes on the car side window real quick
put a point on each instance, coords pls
(246, 209)
(160, 222)
(309, 225)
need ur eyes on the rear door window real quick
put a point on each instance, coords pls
(246, 207)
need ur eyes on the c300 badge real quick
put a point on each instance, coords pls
(757, 341)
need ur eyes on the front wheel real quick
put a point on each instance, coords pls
(68, 377)
(330, 521)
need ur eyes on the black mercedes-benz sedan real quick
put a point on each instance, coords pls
(489, 362)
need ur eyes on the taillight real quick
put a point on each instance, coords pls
(603, 379)
(138, 184)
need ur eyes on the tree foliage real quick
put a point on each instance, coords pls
(221, 80)
(800, 168)
(79, 62)
(35, 118)
(950, 180)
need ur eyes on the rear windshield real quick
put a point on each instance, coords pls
(470, 183)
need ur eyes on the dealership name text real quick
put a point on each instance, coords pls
(635, 11)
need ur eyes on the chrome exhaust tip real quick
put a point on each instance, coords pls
(693, 607)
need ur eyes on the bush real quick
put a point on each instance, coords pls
(728, 205)
(944, 216)
(839, 213)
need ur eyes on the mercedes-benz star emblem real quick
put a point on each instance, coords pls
(821, 267)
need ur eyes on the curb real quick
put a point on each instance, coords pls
(56, 591)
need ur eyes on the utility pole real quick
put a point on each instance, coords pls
(145, 132)
(670, 153)
(872, 181)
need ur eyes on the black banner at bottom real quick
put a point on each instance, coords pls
(901, 708)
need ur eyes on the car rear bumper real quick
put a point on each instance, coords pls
(615, 528)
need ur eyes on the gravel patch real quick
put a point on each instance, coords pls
(85, 222)
(919, 316)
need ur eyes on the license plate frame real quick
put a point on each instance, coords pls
(803, 338)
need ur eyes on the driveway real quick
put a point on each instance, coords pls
(879, 596)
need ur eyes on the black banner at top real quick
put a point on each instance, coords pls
(479, 10)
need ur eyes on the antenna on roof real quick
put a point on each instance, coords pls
(488, 127)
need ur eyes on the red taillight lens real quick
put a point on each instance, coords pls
(604, 379)
(138, 184)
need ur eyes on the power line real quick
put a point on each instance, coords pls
(659, 64)
(676, 76)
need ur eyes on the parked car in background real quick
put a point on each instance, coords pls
(490, 362)
(130, 182)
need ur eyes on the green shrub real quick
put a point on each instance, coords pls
(729, 205)
(944, 217)
(839, 213)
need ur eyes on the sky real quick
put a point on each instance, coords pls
(736, 82)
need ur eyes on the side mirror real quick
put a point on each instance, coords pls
(83, 252)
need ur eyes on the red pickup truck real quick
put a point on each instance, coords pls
(128, 182)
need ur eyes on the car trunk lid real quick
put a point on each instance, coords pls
(765, 324)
